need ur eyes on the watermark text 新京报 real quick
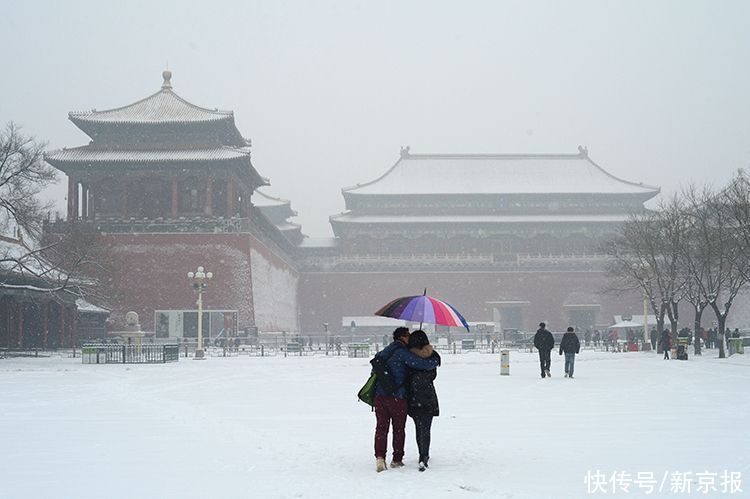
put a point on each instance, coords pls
(669, 482)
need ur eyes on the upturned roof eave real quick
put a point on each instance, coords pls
(158, 155)
(93, 128)
(79, 118)
(648, 194)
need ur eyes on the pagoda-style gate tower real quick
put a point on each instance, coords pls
(158, 158)
(167, 185)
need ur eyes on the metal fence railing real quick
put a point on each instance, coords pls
(129, 354)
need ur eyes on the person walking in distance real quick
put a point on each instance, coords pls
(544, 342)
(665, 343)
(570, 345)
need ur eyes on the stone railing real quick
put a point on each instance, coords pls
(593, 261)
(420, 257)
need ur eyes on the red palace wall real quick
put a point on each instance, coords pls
(148, 272)
(327, 297)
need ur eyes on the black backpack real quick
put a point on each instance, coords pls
(383, 373)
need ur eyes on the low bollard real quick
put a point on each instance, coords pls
(505, 362)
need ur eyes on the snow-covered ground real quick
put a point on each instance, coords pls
(292, 427)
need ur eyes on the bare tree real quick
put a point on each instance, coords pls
(58, 263)
(737, 198)
(713, 258)
(23, 175)
(79, 252)
(692, 294)
(646, 256)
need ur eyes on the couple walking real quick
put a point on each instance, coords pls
(545, 342)
(413, 364)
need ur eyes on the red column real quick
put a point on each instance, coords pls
(72, 207)
(242, 207)
(78, 200)
(19, 336)
(230, 197)
(45, 324)
(209, 196)
(92, 203)
(62, 326)
(174, 198)
(74, 328)
(87, 200)
(10, 322)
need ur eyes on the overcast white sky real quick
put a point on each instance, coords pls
(329, 91)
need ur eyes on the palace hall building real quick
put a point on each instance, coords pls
(506, 238)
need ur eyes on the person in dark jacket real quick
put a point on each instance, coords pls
(544, 342)
(570, 345)
(423, 400)
(392, 407)
(665, 343)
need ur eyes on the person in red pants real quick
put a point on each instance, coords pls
(391, 396)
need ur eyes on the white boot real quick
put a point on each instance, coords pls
(380, 465)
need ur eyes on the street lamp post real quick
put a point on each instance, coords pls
(199, 278)
(646, 336)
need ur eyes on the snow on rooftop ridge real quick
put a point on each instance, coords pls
(319, 242)
(371, 321)
(87, 154)
(407, 154)
(84, 306)
(268, 200)
(634, 319)
(164, 106)
(498, 174)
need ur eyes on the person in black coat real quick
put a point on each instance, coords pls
(570, 345)
(544, 342)
(423, 400)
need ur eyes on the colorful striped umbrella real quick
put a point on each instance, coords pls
(423, 308)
